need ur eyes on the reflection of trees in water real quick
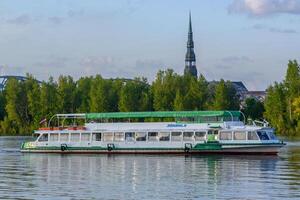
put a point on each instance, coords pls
(293, 165)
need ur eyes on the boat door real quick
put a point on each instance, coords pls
(212, 135)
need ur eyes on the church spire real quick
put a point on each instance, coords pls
(190, 58)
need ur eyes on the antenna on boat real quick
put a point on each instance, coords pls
(230, 114)
(243, 116)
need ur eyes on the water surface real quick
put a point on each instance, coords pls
(55, 176)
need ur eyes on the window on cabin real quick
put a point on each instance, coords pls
(54, 137)
(252, 135)
(176, 136)
(200, 136)
(119, 136)
(85, 137)
(64, 137)
(164, 136)
(129, 136)
(239, 135)
(140, 136)
(96, 137)
(262, 135)
(44, 138)
(272, 136)
(225, 135)
(75, 137)
(152, 136)
(188, 136)
(108, 136)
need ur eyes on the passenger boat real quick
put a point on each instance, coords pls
(183, 132)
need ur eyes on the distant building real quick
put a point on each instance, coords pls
(240, 89)
(258, 95)
(190, 58)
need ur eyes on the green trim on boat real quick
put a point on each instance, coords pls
(163, 114)
(208, 146)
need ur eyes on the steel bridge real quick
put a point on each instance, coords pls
(3, 80)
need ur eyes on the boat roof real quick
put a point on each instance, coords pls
(153, 114)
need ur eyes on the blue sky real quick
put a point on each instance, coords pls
(247, 40)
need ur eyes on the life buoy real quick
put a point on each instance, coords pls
(63, 147)
(187, 147)
(109, 148)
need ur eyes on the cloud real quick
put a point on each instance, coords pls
(109, 66)
(273, 29)
(56, 20)
(23, 19)
(264, 7)
(236, 59)
(75, 13)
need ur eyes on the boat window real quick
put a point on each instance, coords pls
(272, 136)
(44, 138)
(152, 136)
(85, 137)
(214, 132)
(262, 135)
(96, 136)
(35, 135)
(64, 137)
(54, 137)
(239, 135)
(176, 136)
(119, 136)
(129, 136)
(140, 136)
(252, 135)
(225, 135)
(164, 136)
(109, 136)
(200, 135)
(188, 136)
(75, 137)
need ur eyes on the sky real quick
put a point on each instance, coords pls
(239, 40)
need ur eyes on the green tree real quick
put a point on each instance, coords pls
(225, 97)
(99, 95)
(253, 109)
(49, 99)
(178, 102)
(2, 105)
(33, 92)
(164, 90)
(82, 97)
(196, 94)
(276, 108)
(135, 96)
(18, 119)
(66, 94)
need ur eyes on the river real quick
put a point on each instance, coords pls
(55, 176)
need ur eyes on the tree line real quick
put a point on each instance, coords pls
(23, 104)
(282, 103)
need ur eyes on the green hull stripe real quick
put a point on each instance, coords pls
(199, 146)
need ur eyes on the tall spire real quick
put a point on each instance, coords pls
(190, 58)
